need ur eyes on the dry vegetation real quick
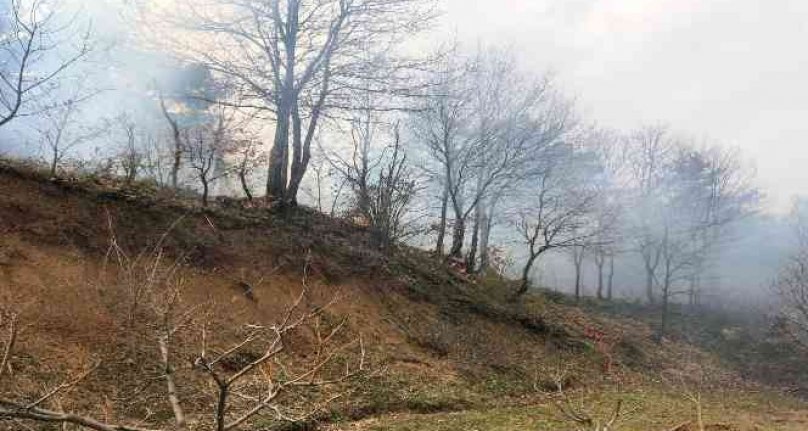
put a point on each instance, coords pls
(97, 277)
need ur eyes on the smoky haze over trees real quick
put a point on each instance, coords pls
(362, 110)
(349, 107)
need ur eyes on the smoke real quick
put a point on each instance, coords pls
(120, 75)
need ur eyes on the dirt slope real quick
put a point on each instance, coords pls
(438, 342)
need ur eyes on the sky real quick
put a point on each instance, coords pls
(728, 71)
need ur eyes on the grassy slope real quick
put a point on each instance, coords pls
(455, 354)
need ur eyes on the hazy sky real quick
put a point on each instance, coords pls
(735, 71)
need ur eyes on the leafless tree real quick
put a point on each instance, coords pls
(206, 145)
(157, 164)
(609, 182)
(38, 46)
(688, 197)
(725, 186)
(130, 157)
(240, 394)
(298, 59)
(379, 174)
(577, 412)
(482, 127)
(578, 255)
(177, 141)
(791, 285)
(557, 214)
(439, 124)
(649, 154)
(249, 158)
(61, 131)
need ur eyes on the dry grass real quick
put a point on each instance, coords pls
(445, 345)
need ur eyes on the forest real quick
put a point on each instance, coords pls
(371, 114)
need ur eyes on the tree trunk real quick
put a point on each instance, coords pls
(278, 156)
(600, 262)
(205, 190)
(458, 238)
(221, 407)
(242, 176)
(610, 283)
(471, 258)
(177, 137)
(176, 164)
(302, 157)
(693, 291)
(444, 209)
(578, 263)
(666, 286)
(485, 235)
(649, 284)
(663, 327)
(524, 286)
(54, 163)
(296, 171)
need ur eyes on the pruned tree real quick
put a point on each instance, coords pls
(39, 45)
(239, 394)
(576, 411)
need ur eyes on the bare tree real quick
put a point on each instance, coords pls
(557, 215)
(61, 131)
(482, 127)
(239, 395)
(176, 139)
(609, 182)
(577, 412)
(791, 286)
(439, 124)
(38, 46)
(382, 181)
(130, 157)
(578, 255)
(157, 163)
(206, 145)
(649, 153)
(249, 158)
(298, 59)
(695, 196)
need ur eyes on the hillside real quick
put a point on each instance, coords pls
(443, 352)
